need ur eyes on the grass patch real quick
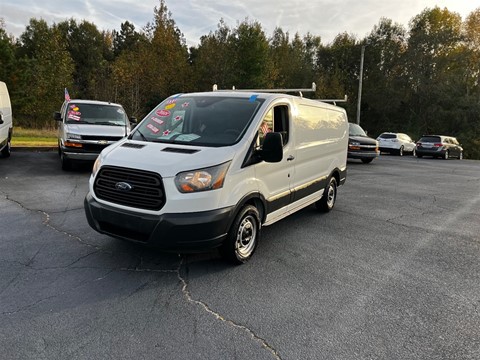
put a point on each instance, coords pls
(34, 137)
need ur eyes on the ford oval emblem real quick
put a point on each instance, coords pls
(123, 186)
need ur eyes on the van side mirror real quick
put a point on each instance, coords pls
(272, 148)
(57, 116)
(133, 120)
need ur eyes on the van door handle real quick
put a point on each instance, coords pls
(291, 158)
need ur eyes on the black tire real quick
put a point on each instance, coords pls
(66, 163)
(367, 161)
(446, 155)
(400, 151)
(327, 202)
(419, 155)
(7, 150)
(243, 236)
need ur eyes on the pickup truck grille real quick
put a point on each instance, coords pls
(130, 187)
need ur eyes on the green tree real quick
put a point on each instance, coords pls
(44, 69)
(253, 67)
(7, 55)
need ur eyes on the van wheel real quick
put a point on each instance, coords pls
(327, 202)
(367, 160)
(7, 150)
(66, 164)
(242, 239)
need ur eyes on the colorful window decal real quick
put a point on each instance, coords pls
(157, 120)
(178, 118)
(185, 104)
(152, 128)
(172, 101)
(170, 106)
(166, 132)
(74, 117)
(163, 113)
(253, 98)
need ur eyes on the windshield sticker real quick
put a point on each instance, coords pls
(152, 128)
(157, 120)
(172, 101)
(253, 98)
(74, 117)
(178, 118)
(72, 106)
(166, 132)
(163, 113)
(170, 106)
(78, 113)
(185, 104)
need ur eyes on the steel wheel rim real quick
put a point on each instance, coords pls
(331, 196)
(246, 237)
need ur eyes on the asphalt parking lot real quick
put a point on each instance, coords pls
(393, 272)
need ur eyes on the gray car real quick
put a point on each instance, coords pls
(439, 146)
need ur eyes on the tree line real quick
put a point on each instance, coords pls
(421, 79)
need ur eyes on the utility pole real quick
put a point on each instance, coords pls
(360, 84)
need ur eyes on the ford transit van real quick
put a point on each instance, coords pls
(207, 170)
(86, 127)
(6, 126)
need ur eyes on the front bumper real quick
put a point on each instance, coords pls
(363, 154)
(183, 232)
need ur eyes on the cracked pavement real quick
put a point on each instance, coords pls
(393, 272)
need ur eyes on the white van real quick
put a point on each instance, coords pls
(206, 170)
(6, 125)
(86, 127)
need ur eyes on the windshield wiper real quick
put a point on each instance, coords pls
(143, 136)
(108, 123)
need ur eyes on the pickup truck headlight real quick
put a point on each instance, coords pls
(202, 179)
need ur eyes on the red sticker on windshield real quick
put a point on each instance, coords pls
(157, 120)
(152, 128)
(185, 104)
(172, 101)
(166, 132)
(74, 117)
(78, 113)
(163, 113)
(178, 118)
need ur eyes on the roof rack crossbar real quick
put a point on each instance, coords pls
(312, 89)
(334, 101)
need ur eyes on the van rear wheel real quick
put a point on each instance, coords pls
(7, 150)
(242, 239)
(327, 202)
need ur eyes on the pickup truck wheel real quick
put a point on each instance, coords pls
(7, 150)
(242, 239)
(327, 202)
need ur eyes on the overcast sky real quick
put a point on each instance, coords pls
(324, 18)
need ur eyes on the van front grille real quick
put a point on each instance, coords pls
(130, 187)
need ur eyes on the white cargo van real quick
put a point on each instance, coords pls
(6, 125)
(206, 170)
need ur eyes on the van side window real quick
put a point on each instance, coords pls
(275, 120)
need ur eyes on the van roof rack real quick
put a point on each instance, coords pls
(300, 91)
(334, 101)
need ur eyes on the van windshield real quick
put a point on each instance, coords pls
(96, 114)
(198, 120)
(355, 130)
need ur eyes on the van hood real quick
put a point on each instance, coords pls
(97, 130)
(363, 140)
(166, 159)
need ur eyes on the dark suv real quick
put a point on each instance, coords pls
(439, 146)
(361, 146)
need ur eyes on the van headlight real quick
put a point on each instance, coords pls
(96, 165)
(202, 179)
